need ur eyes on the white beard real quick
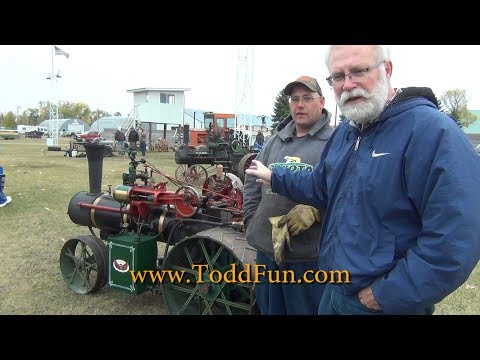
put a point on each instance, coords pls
(369, 109)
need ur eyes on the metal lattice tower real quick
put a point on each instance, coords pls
(244, 92)
(53, 126)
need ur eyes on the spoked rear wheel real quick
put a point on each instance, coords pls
(192, 175)
(196, 175)
(181, 172)
(205, 287)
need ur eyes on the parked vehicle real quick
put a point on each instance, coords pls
(9, 134)
(35, 134)
(78, 146)
(31, 131)
(88, 136)
(66, 133)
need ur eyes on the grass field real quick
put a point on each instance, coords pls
(35, 225)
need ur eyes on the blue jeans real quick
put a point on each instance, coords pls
(121, 147)
(3, 198)
(335, 303)
(286, 298)
(143, 147)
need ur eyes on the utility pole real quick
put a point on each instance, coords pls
(244, 90)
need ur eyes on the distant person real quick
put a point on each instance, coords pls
(259, 140)
(231, 134)
(143, 140)
(133, 137)
(4, 200)
(120, 139)
(179, 135)
(399, 182)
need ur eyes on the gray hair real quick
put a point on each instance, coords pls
(382, 53)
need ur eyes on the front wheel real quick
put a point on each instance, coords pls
(83, 264)
(108, 151)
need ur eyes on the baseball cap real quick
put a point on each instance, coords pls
(309, 82)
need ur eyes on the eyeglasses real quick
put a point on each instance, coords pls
(355, 75)
(307, 99)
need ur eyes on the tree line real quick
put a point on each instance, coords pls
(452, 102)
(66, 110)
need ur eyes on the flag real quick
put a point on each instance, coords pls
(59, 51)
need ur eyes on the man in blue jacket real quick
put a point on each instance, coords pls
(399, 182)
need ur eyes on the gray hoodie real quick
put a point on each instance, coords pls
(284, 149)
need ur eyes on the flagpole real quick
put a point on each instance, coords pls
(53, 55)
(51, 97)
(55, 97)
(53, 104)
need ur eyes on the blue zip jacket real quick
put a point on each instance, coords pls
(402, 202)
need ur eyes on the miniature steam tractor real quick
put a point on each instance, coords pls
(187, 244)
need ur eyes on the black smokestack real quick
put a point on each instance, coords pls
(95, 166)
(186, 134)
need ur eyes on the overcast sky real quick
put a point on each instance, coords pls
(100, 75)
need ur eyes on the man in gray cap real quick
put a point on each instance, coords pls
(285, 233)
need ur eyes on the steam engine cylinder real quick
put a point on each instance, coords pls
(112, 218)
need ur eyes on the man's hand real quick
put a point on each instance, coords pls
(366, 299)
(300, 218)
(259, 170)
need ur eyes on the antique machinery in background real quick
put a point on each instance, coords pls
(218, 143)
(198, 232)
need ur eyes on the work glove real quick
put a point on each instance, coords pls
(280, 237)
(300, 218)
